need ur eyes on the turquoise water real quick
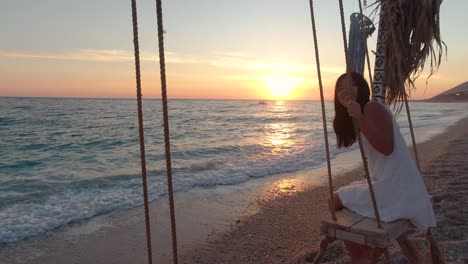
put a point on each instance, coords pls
(65, 160)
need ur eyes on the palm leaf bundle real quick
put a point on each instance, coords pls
(413, 39)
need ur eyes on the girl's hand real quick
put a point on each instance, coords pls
(354, 110)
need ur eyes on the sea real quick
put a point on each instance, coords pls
(68, 160)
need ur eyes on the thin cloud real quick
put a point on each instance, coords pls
(245, 81)
(101, 56)
(243, 61)
(228, 60)
(81, 55)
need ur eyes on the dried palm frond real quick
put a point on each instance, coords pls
(413, 39)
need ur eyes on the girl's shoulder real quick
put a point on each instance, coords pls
(377, 110)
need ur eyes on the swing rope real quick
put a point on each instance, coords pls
(399, 57)
(141, 130)
(364, 161)
(324, 119)
(436, 255)
(415, 149)
(167, 144)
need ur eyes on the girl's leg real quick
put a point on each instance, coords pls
(361, 253)
(337, 202)
(411, 253)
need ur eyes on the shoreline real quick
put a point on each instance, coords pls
(222, 215)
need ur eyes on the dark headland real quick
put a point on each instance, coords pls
(457, 94)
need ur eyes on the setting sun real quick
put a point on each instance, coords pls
(280, 86)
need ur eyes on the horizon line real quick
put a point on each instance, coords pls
(156, 98)
(159, 98)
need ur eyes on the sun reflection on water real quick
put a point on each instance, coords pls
(278, 136)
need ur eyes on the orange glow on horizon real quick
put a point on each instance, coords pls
(117, 80)
(281, 86)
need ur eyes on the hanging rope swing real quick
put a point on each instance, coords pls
(346, 225)
(166, 129)
(141, 131)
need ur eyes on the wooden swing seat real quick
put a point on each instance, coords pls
(352, 227)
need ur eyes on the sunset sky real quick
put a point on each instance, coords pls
(245, 49)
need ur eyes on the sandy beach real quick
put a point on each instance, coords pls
(269, 220)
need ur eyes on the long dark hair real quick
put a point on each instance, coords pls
(343, 123)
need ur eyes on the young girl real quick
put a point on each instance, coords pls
(399, 189)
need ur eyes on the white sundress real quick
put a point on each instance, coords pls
(399, 189)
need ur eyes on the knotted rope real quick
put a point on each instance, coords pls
(324, 119)
(141, 131)
(364, 161)
(167, 144)
(435, 254)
